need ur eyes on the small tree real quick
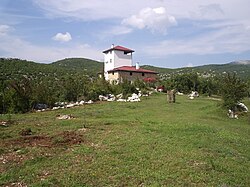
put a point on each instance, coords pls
(22, 98)
(233, 90)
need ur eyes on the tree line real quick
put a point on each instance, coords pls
(229, 86)
(22, 95)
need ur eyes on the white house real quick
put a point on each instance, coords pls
(118, 65)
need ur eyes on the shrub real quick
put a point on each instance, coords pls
(233, 90)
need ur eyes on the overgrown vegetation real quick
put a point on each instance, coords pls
(25, 84)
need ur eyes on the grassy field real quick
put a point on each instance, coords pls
(151, 143)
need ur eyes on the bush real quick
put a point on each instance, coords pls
(233, 90)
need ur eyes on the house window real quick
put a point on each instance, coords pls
(110, 60)
(113, 73)
(143, 74)
(131, 73)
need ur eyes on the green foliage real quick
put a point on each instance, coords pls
(208, 86)
(44, 92)
(248, 88)
(233, 90)
(243, 70)
(183, 83)
(98, 87)
(22, 97)
(86, 66)
(126, 88)
(75, 79)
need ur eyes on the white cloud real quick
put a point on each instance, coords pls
(119, 30)
(94, 9)
(109, 9)
(232, 39)
(208, 12)
(62, 37)
(4, 29)
(155, 19)
(14, 47)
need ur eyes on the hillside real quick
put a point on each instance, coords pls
(90, 67)
(242, 68)
(15, 68)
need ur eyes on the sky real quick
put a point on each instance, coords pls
(163, 33)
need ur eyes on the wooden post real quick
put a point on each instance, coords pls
(171, 96)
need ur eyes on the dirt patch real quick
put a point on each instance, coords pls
(65, 138)
(12, 157)
(25, 132)
(16, 149)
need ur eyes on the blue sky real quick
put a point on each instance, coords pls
(164, 33)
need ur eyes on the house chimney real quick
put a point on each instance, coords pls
(112, 46)
(137, 66)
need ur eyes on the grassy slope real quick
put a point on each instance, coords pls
(151, 143)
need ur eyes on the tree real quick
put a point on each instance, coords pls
(44, 93)
(233, 90)
(22, 97)
(208, 86)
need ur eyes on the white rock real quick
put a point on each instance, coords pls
(70, 105)
(81, 102)
(121, 100)
(90, 102)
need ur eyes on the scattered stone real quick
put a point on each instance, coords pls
(242, 107)
(232, 114)
(4, 123)
(65, 116)
(134, 98)
(193, 95)
(90, 102)
(121, 100)
(179, 93)
(81, 103)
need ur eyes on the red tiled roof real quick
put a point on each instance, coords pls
(119, 48)
(132, 69)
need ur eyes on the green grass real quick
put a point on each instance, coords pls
(151, 143)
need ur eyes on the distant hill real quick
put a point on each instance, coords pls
(241, 62)
(15, 68)
(241, 68)
(90, 67)
(11, 69)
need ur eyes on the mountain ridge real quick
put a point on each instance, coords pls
(10, 68)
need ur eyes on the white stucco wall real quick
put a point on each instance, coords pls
(108, 60)
(122, 59)
(115, 59)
